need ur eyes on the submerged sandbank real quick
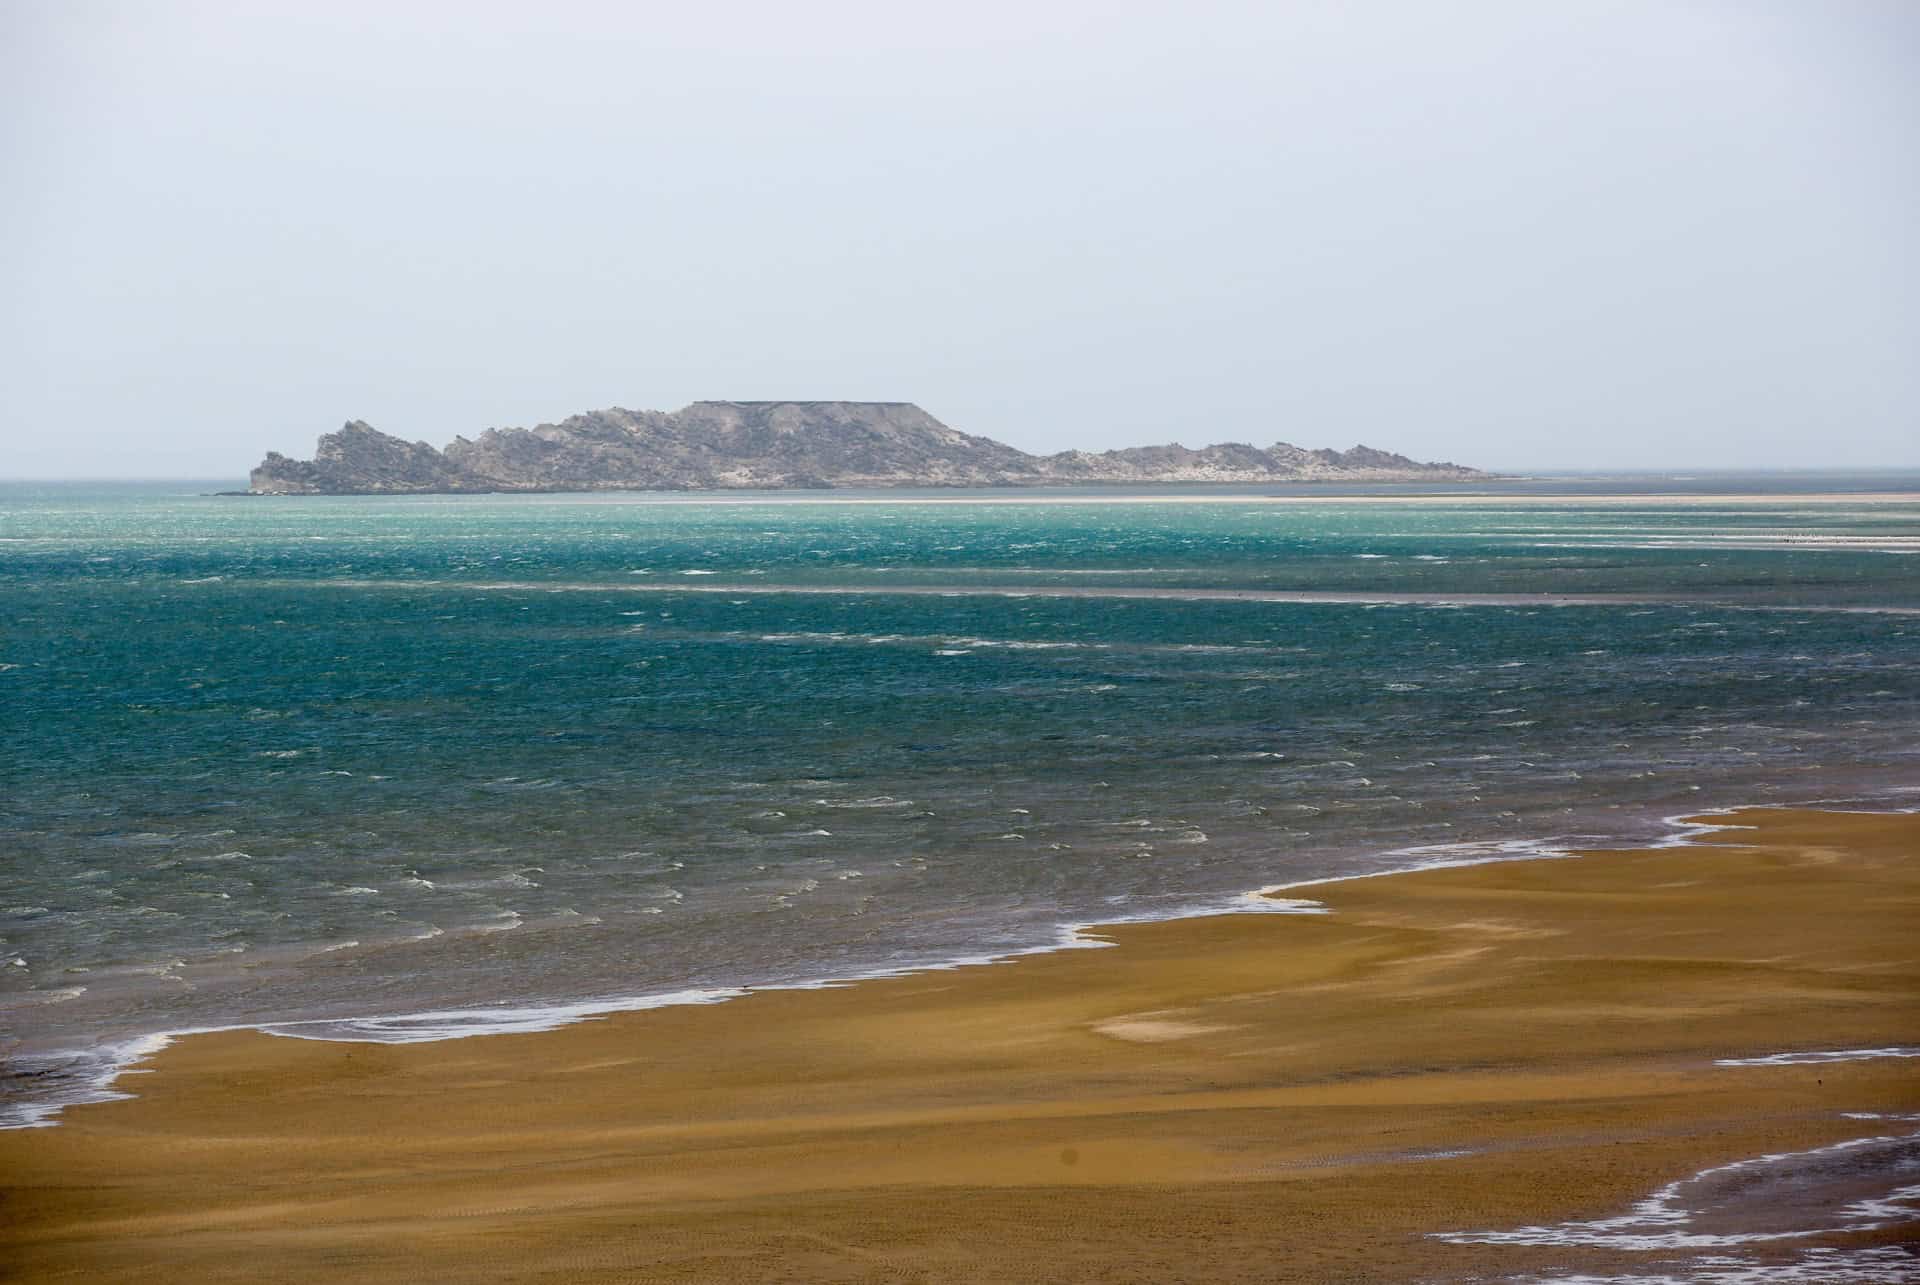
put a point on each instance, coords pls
(1412, 1085)
(1173, 593)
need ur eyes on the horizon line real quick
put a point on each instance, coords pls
(1537, 473)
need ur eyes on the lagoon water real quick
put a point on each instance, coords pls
(329, 764)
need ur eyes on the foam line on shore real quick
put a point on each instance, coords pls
(104, 1064)
(1873, 1265)
(1821, 1057)
(1665, 1220)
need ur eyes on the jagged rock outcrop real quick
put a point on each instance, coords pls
(721, 445)
(358, 458)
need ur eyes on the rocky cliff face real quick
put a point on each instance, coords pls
(718, 445)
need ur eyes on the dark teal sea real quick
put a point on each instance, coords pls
(399, 768)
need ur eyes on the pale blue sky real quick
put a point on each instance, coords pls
(1522, 235)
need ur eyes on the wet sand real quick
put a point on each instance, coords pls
(1243, 1097)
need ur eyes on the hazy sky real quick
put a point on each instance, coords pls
(1575, 234)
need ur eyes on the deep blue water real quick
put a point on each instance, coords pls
(274, 760)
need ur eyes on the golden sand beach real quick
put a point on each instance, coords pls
(1242, 1097)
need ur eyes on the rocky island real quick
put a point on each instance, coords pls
(775, 445)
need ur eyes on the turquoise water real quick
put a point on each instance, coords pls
(330, 764)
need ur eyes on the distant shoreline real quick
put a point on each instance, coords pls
(1042, 486)
(1038, 495)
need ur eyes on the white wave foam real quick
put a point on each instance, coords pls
(1820, 1057)
(1666, 1221)
(460, 1023)
(1441, 856)
(514, 879)
(1877, 1265)
(1897, 1205)
(85, 1077)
